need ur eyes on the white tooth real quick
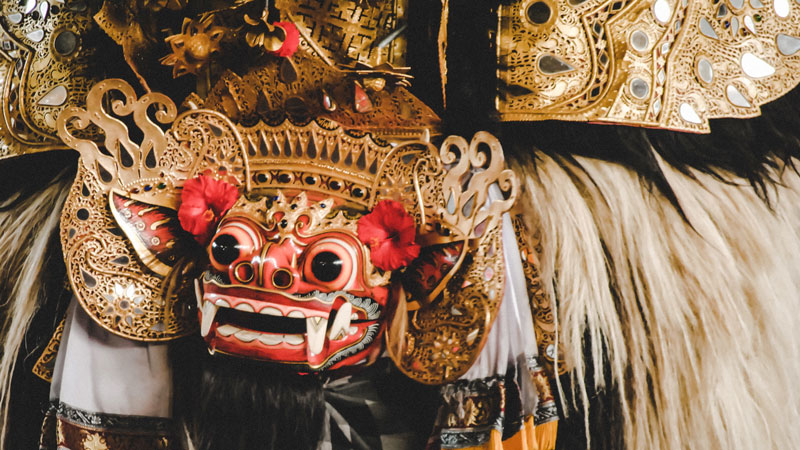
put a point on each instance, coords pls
(245, 307)
(342, 322)
(270, 339)
(271, 311)
(353, 316)
(353, 330)
(315, 330)
(246, 335)
(209, 311)
(296, 314)
(222, 303)
(198, 293)
(226, 330)
(294, 339)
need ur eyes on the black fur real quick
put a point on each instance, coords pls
(232, 403)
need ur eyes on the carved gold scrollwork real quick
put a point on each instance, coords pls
(123, 163)
(655, 63)
(480, 164)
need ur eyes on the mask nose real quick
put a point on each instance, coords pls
(279, 266)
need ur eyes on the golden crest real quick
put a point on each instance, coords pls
(658, 63)
(119, 227)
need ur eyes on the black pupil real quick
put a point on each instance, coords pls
(225, 249)
(326, 266)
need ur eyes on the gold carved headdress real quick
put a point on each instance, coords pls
(122, 239)
(657, 63)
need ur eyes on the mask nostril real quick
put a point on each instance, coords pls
(282, 278)
(243, 272)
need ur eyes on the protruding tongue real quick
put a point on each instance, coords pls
(316, 328)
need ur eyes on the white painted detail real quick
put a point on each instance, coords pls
(294, 339)
(271, 311)
(246, 335)
(315, 330)
(226, 330)
(270, 339)
(341, 323)
(245, 307)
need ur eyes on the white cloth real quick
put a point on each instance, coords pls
(512, 339)
(100, 372)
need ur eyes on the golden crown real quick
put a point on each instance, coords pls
(319, 156)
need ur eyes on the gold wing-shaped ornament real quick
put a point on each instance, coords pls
(119, 227)
(454, 288)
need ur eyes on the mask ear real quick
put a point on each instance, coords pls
(135, 186)
(458, 194)
(153, 231)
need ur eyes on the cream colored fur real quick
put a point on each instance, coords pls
(704, 314)
(27, 231)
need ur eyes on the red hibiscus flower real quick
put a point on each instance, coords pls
(291, 42)
(204, 201)
(389, 232)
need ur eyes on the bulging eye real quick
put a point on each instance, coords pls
(235, 239)
(331, 262)
(225, 249)
(326, 266)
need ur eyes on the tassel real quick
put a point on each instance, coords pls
(524, 440)
(546, 435)
(495, 441)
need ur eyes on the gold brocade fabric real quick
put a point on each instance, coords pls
(65, 427)
(75, 437)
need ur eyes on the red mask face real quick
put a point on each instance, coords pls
(296, 288)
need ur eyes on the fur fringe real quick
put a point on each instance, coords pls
(692, 311)
(29, 226)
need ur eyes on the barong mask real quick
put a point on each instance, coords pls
(321, 243)
(290, 282)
